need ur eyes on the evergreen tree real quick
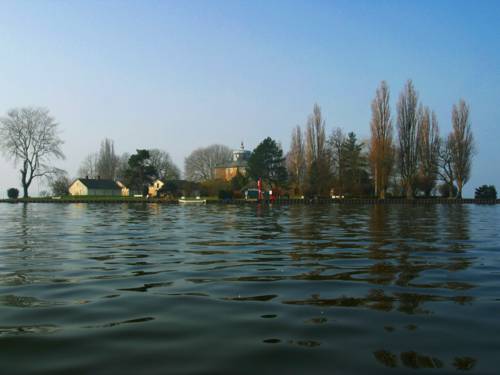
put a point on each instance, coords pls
(267, 162)
(486, 192)
(354, 165)
(140, 172)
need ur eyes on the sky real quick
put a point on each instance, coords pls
(178, 75)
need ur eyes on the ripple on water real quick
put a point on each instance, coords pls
(147, 288)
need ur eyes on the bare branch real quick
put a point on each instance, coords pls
(408, 137)
(463, 147)
(381, 153)
(29, 136)
(200, 164)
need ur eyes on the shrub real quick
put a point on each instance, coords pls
(225, 194)
(212, 187)
(60, 185)
(238, 194)
(13, 193)
(238, 182)
(486, 192)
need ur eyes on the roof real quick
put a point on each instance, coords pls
(120, 184)
(100, 184)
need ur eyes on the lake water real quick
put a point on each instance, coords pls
(160, 289)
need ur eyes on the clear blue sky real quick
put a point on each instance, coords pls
(179, 75)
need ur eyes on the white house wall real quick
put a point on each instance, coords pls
(77, 188)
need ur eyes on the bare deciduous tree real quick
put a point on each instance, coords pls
(30, 137)
(59, 183)
(164, 165)
(88, 168)
(445, 167)
(336, 145)
(462, 144)
(121, 169)
(107, 161)
(428, 150)
(408, 137)
(381, 153)
(317, 156)
(200, 164)
(296, 161)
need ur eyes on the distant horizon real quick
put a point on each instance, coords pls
(177, 76)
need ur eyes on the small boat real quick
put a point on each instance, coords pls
(196, 200)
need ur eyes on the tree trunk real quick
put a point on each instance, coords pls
(409, 191)
(459, 189)
(24, 182)
(450, 190)
(382, 194)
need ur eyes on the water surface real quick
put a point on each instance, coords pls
(157, 289)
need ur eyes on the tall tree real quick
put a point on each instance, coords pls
(354, 166)
(30, 137)
(88, 167)
(445, 164)
(381, 152)
(317, 156)
(200, 164)
(164, 165)
(428, 150)
(107, 161)
(336, 151)
(462, 144)
(267, 162)
(140, 172)
(122, 167)
(296, 161)
(408, 137)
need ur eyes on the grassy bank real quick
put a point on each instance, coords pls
(86, 199)
(212, 200)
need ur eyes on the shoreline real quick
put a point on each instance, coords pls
(322, 201)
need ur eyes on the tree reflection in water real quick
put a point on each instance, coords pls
(403, 245)
(416, 360)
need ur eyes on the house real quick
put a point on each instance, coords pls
(91, 186)
(155, 187)
(125, 190)
(238, 164)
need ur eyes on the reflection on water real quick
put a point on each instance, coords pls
(148, 288)
(415, 360)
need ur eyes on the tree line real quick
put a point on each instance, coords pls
(421, 156)
(408, 163)
(405, 155)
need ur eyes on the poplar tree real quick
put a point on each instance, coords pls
(295, 161)
(408, 137)
(381, 153)
(107, 160)
(317, 155)
(462, 140)
(428, 150)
